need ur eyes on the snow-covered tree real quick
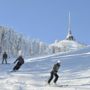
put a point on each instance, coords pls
(12, 42)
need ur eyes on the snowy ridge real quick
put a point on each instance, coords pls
(33, 75)
(12, 42)
(66, 45)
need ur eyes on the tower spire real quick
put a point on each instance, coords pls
(69, 36)
(69, 25)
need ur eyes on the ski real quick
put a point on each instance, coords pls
(61, 85)
(57, 85)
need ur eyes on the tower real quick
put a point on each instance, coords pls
(69, 35)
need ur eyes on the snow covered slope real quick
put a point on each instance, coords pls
(66, 45)
(33, 75)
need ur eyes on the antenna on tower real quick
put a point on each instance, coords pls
(69, 35)
(69, 26)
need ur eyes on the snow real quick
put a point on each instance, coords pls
(66, 45)
(12, 43)
(33, 75)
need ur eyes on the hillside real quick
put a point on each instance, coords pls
(33, 75)
(66, 45)
(12, 42)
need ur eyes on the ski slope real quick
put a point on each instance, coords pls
(33, 75)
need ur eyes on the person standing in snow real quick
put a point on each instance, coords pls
(4, 58)
(20, 62)
(54, 72)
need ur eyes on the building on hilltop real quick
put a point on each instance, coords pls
(69, 35)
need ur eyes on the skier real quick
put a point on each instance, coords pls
(54, 72)
(4, 58)
(20, 61)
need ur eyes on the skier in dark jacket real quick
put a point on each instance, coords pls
(20, 61)
(54, 72)
(4, 58)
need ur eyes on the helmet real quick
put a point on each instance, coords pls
(58, 61)
(20, 52)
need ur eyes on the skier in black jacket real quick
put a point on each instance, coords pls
(20, 61)
(54, 72)
(4, 57)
